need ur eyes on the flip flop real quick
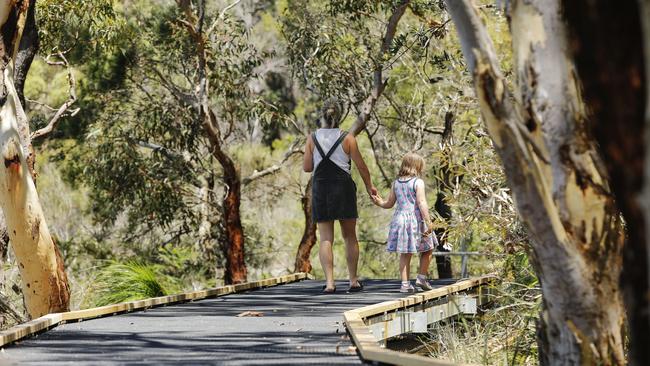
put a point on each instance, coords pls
(356, 288)
(326, 291)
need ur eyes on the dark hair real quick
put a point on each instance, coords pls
(331, 113)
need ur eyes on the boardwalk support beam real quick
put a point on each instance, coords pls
(370, 326)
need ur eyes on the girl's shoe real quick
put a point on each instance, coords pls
(407, 288)
(357, 288)
(423, 284)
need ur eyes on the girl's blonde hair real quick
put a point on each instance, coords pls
(412, 165)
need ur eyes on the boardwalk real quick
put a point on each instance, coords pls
(299, 326)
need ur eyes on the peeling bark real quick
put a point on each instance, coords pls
(552, 167)
(615, 89)
(236, 271)
(44, 282)
(303, 263)
(235, 266)
(444, 190)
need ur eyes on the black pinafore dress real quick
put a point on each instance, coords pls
(334, 193)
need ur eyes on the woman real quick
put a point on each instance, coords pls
(327, 154)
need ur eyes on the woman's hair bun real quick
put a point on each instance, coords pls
(331, 113)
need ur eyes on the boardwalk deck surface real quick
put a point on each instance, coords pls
(299, 326)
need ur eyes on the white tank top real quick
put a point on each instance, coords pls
(326, 138)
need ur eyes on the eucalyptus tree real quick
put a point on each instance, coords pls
(321, 57)
(561, 189)
(615, 86)
(397, 68)
(166, 160)
(33, 29)
(44, 281)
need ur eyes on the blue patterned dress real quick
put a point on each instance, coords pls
(407, 226)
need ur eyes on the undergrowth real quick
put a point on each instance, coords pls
(504, 333)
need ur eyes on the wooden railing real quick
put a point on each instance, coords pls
(371, 325)
(51, 320)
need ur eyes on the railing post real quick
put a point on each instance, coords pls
(463, 258)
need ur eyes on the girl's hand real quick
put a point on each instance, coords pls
(377, 200)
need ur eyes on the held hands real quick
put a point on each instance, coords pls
(377, 200)
(374, 195)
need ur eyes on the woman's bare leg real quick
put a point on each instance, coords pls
(326, 234)
(349, 231)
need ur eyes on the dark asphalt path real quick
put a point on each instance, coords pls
(299, 326)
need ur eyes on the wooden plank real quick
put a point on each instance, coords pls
(50, 320)
(32, 327)
(365, 341)
(377, 353)
(436, 293)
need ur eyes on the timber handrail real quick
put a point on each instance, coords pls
(366, 343)
(51, 320)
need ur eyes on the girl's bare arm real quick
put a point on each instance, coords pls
(389, 203)
(307, 158)
(421, 199)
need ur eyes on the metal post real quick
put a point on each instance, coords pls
(463, 248)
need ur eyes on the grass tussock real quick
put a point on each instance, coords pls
(120, 282)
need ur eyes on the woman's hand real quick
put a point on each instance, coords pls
(372, 191)
(377, 200)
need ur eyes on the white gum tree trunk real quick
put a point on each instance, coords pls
(44, 282)
(560, 187)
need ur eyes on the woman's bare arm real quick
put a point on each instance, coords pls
(361, 165)
(307, 158)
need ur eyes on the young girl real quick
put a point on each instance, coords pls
(411, 229)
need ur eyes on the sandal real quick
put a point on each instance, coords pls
(356, 288)
(325, 290)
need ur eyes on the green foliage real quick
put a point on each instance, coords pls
(87, 25)
(142, 172)
(120, 282)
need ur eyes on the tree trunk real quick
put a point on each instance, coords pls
(44, 282)
(444, 190)
(235, 265)
(552, 167)
(234, 232)
(615, 87)
(303, 264)
(207, 239)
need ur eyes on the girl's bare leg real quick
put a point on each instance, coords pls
(425, 260)
(405, 266)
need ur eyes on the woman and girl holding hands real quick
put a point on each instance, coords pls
(328, 154)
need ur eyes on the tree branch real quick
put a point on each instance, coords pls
(378, 84)
(65, 106)
(295, 149)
